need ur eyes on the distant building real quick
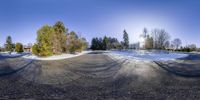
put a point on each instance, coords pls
(28, 48)
(134, 46)
(142, 42)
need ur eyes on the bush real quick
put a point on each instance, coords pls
(72, 48)
(40, 51)
(19, 48)
(35, 49)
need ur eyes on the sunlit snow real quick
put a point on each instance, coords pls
(149, 55)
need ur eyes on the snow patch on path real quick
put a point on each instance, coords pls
(12, 54)
(147, 56)
(55, 57)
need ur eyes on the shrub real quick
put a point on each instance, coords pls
(35, 49)
(19, 48)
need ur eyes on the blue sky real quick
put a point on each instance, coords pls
(94, 18)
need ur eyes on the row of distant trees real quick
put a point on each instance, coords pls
(51, 40)
(10, 46)
(54, 40)
(154, 39)
(107, 43)
(157, 39)
(160, 39)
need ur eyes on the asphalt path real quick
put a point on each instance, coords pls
(97, 76)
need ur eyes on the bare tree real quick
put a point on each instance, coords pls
(148, 42)
(176, 43)
(167, 44)
(193, 47)
(160, 37)
(145, 33)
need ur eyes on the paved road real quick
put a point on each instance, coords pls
(95, 76)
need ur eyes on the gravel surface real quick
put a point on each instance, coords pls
(96, 76)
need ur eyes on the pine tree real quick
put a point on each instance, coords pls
(44, 40)
(35, 49)
(72, 42)
(9, 46)
(59, 38)
(126, 40)
(93, 44)
(83, 43)
(105, 43)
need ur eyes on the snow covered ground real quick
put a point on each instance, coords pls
(148, 55)
(55, 57)
(133, 54)
(13, 54)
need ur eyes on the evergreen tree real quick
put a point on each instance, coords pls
(105, 43)
(35, 49)
(59, 38)
(73, 42)
(44, 40)
(94, 44)
(97, 44)
(84, 43)
(115, 43)
(9, 46)
(126, 39)
(73, 35)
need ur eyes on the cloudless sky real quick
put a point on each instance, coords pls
(95, 18)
